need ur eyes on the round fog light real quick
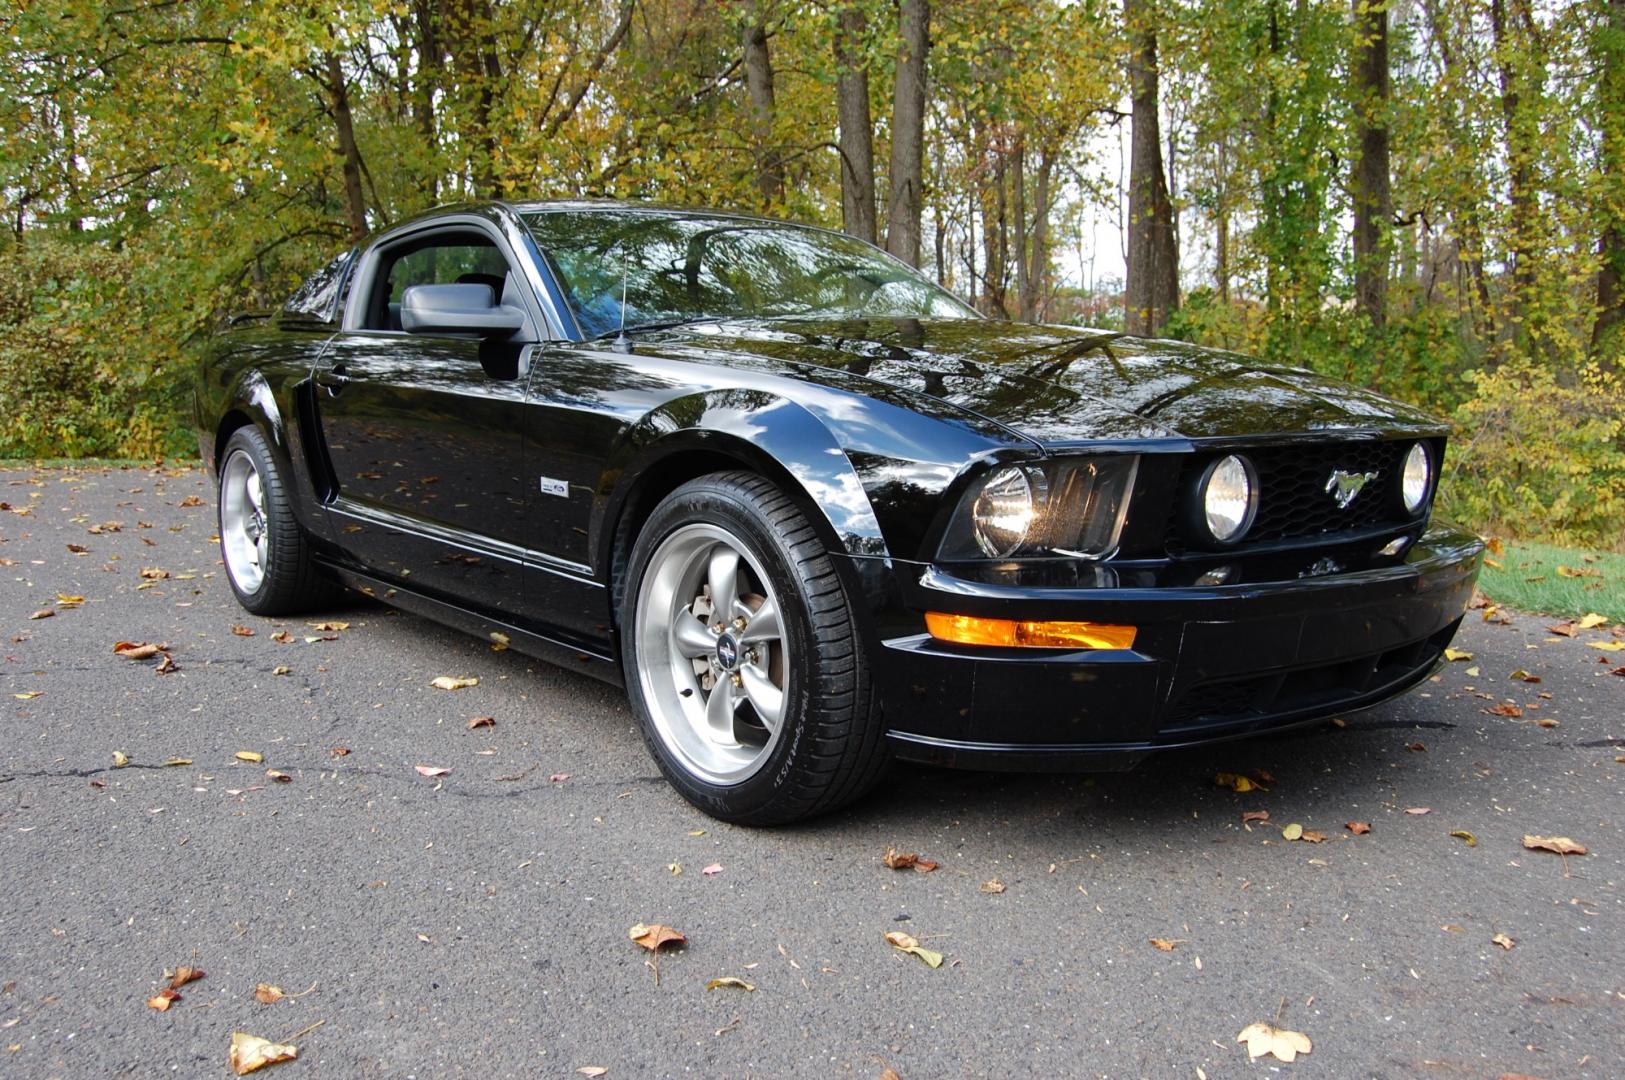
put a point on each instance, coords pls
(1416, 477)
(1229, 498)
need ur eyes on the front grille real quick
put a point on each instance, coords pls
(1293, 503)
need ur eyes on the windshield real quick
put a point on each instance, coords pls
(686, 268)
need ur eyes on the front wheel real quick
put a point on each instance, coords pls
(267, 555)
(743, 663)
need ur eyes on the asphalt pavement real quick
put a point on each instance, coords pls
(475, 922)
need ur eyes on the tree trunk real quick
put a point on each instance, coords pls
(759, 82)
(1373, 199)
(1611, 245)
(857, 134)
(1151, 293)
(338, 94)
(429, 79)
(1038, 256)
(1520, 154)
(908, 133)
(1018, 215)
(479, 72)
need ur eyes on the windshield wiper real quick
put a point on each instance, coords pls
(659, 324)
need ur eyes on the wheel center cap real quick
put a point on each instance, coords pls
(727, 652)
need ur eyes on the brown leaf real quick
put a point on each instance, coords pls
(193, 500)
(1248, 816)
(153, 573)
(431, 770)
(655, 936)
(136, 650)
(1358, 828)
(907, 860)
(184, 975)
(1505, 708)
(482, 721)
(266, 994)
(250, 1052)
(330, 627)
(340, 751)
(282, 637)
(44, 613)
(1313, 837)
(243, 631)
(993, 885)
(1523, 676)
(1264, 1039)
(909, 944)
(1164, 944)
(162, 1000)
(1562, 845)
(1417, 748)
(1566, 629)
(279, 776)
(1503, 941)
(78, 549)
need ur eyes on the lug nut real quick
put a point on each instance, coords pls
(739, 622)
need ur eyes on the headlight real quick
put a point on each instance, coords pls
(1416, 478)
(1066, 507)
(1229, 497)
(1002, 514)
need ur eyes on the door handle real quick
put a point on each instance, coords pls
(333, 379)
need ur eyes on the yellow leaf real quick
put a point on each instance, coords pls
(120, 759)
(907, 943)
(28, 695)
(1457, 654)
(1463, 835)
(450, 682)
(1607, 646)
(1164, 944)
(1503, 941)
(249, 755)
(729, 980)
(178, 761)
(1264, 1039)
(1592, 621)
(1293, 831)
(266, 994)
(250, 1052)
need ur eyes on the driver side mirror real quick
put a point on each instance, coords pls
(457, 309)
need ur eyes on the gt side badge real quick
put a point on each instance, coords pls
(551, 486)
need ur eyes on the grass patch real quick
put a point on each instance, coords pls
(22, 464)
(1527, 578)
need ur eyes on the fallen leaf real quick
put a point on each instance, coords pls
(655, 936)
(431, 770)
(1573, 572)
(282, 637)
(1495, 546)
(340, 751)
(1237, 782)
(330, 627)
(729, 981)
(28, 695)
(1312, 837)
(592, 1070)
(713, 870)
(1505, 708)
(78, 549)
(162, 1000)
(559, 777)
(906, 860)
(1465, 837)
(136, 650)
(266, 994)
(1474, 671)
(279, 776)
(184, 975)
(193, 500)
(1562, 845)
(907, 943)
(450, 682)
(993, 885)
(1417, 748)
(250, 1052)
(152, 573)
(1456, 654)
(1358, 828)
(1523, 676)
(1592, 621)
(1503, 941)
(44, 613)
(177, 761)
(1566, 629)
(1546, 722)
(253, 756)
(1293, 831)
(1264, 1039)
(1164, 944)
(282, 669)
(65, 600)
(1419, 810)
(482, 721)
(120, 759)
(1607, 646)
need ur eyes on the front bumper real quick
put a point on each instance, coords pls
(1208, 663)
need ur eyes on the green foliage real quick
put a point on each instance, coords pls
(1540, 457)
(1525, 576)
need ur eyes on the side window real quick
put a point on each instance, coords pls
(445, 259)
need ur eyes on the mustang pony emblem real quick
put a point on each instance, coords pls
(1343, 486)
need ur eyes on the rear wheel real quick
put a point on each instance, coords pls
(266, 553)
(742, 660)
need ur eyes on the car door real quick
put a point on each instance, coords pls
(422, 430)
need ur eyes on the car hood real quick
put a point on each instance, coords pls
(1054, 385)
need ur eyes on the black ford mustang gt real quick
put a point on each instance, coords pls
(814, 512)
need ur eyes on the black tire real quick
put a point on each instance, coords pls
(289, 581)
(831, 748)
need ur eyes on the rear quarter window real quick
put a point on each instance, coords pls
(321, 297)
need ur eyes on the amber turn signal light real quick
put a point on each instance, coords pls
(970, 630)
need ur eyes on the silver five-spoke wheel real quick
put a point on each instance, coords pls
(714, 676)
(243, 536)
